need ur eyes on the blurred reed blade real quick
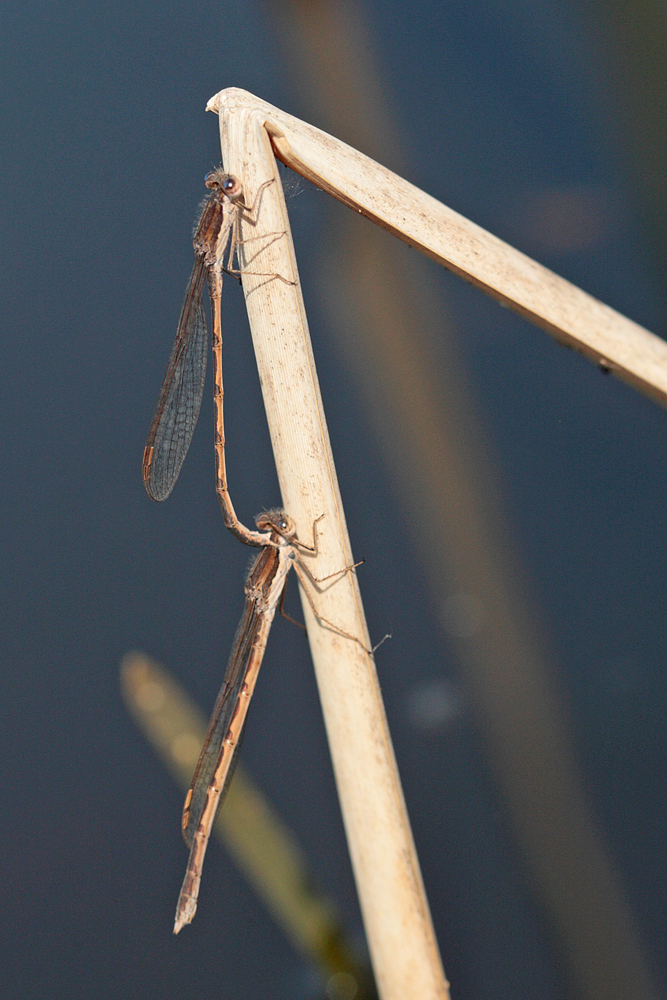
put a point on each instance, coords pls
(259, 842)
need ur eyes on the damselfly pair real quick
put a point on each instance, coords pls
(216, 239)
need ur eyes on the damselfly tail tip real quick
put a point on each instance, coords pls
(185, 911)
(187, 901)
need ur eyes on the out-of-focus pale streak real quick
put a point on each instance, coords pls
(259, 842)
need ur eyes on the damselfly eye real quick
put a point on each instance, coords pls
(229, 184)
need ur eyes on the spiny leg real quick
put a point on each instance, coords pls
(298, 568)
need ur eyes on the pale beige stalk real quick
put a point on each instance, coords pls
(403, 947)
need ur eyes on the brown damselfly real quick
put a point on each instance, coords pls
(264, 588)
(215, 243)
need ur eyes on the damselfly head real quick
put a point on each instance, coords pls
(223, 184)
(278, 521)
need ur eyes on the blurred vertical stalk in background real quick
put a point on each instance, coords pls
(435, 449)
(633, 37)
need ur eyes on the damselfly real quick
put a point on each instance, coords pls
(170, 433)
(264, 588)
